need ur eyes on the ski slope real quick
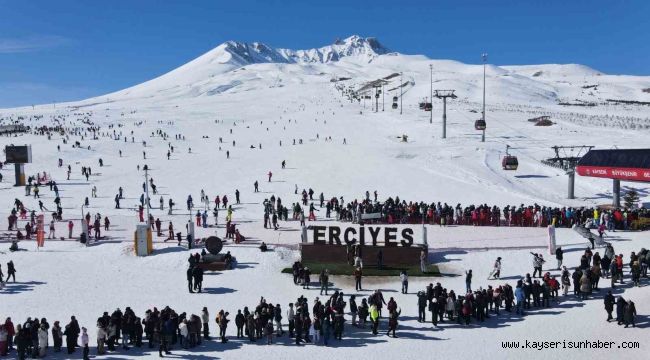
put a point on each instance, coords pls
(252, 94)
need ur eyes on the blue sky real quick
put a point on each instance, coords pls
(67, 50)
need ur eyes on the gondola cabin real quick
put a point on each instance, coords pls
(479, 124)
(394, 105)
(394, 99)
(510, 162)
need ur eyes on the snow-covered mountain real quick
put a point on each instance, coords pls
(238, 66)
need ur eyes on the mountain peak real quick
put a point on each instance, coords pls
(241, 53)
(371, 45)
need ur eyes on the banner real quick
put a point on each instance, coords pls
(633, 174)
(40, 230)
(551, 240)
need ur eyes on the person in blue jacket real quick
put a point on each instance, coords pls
(519, 296)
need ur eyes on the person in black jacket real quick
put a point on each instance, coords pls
(69, 338)
(277, 317)
(197, 274)
(609, 305)
(11, 270)
(57, 336)
(620, 309)
(354, 309)
(434, 308)
(189, 279)
(239, 323)
(22, 341)
(630, 313)
(137, 332)
(422, 305)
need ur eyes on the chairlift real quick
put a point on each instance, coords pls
(479, 124)
(428, 106)
(509, 162)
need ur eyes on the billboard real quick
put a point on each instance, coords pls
(18, 154)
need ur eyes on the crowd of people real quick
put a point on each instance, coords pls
(164, 329)
(324, 319)
(395, 211)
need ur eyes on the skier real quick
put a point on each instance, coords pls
(538, 261)
(270, 174)
(496, 271)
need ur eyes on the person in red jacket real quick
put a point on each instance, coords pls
(11, 332)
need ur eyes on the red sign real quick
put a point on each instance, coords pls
(632, 174)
